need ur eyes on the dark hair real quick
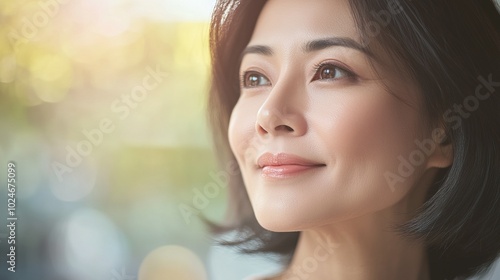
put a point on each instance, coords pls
(451, 49)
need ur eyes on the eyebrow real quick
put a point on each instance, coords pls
(322, 44)
(312, 46)
(257, 49)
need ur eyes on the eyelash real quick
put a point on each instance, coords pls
(243, 78)
(349, 74)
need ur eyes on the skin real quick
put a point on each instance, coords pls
(355, 124)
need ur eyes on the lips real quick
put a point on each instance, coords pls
(284, 165)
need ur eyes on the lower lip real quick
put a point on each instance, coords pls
(285, 171)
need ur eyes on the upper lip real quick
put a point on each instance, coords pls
(269, 159)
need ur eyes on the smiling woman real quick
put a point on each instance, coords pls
(369, 126)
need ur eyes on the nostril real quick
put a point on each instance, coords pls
(261, 130)
(284, 127)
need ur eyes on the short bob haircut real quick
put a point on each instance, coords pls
(452, 51)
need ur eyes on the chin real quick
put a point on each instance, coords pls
(282, 222)
(279, 226)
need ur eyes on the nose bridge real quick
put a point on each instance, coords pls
(285, 92)
(282, 110)
(286, 88)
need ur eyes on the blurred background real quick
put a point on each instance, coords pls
(102, 111)
(102, 107)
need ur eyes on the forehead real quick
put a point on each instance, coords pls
(289, 21)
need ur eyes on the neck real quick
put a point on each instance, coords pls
(363, 248)
(359, 255)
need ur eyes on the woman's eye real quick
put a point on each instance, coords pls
(331, 72)
(254, 79)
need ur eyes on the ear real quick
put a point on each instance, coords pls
(442, 155)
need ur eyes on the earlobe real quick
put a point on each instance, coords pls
(442, 157)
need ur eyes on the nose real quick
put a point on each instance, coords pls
(282, 113)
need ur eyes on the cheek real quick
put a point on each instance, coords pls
(377, 126)
(363, 138)
(241, 131)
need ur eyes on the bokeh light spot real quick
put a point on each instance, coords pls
(172, 262)
(52, 76)
(88, 246)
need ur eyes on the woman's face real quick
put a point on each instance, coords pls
(315, 129)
